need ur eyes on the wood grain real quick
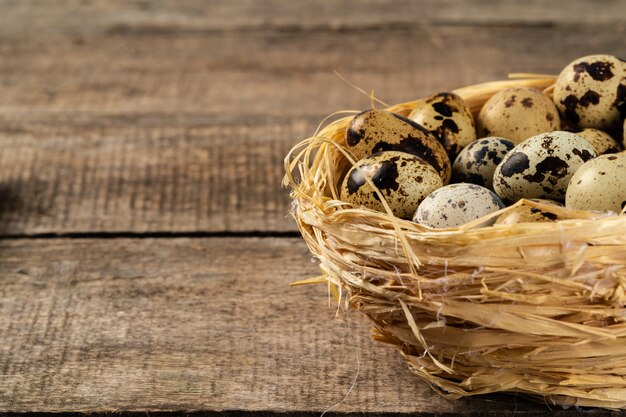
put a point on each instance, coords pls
(171, 325)
(272, 72)
(81, 17)
(186, 132)
(144, 173)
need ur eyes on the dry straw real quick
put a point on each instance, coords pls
(532, 308)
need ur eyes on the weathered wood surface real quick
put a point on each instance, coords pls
(272, 72)
(76, 16)
(181, 132)
(170, 324)
(146, 173)
(174, 116)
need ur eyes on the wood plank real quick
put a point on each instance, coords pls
(80, 17)
(273, 72)
(186, 132)
(146, 173)
(171, 325)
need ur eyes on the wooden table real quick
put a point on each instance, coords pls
(146, 247)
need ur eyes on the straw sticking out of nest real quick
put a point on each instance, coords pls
(531, 308)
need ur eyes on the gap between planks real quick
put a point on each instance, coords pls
(154, 235)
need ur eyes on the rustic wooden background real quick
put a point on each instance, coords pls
(145, 247)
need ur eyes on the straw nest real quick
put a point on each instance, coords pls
(535, 308)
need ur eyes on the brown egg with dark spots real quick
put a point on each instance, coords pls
(599, 185)
(449, 119)
(528, 214)
(478, 161)
(591, 92)
(517, 113)
(457, 204)
(375, 131)
(404, 180)
(541, 166)
(601, 141)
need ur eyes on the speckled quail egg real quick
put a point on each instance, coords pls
(591, 92)
(541, 166)
(624, 130)
(403, 179)
(477, 161)
(377, 130)
(447, 117)
(457, 204)
(528, 214)
(516, 114)
(599, 184)
(601, 141)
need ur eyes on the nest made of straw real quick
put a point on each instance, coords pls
(534, 308)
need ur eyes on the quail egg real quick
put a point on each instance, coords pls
(516, 114)
(528, 214)
(447, 117)
(591, 92)
(477, 161)
(457, 204)
(403, 179)
(376, 131)
(601, 141)
(541, 166)
(599, 184)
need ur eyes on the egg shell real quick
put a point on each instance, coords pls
(403, 179)
(624, 138)
(599, 185)
(528, 214)
(374, 131)
(449, 119)
(478, 161)
(601, 141)
(516, 114)
(541, 166)
(591, 92)
(457, 204)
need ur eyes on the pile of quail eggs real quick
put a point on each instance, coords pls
(559, 151)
